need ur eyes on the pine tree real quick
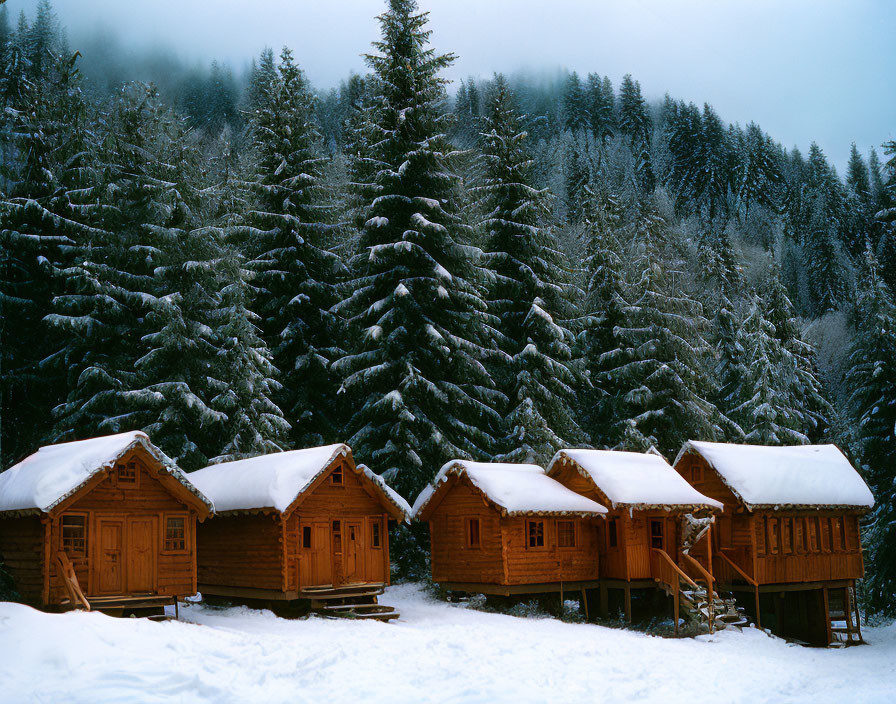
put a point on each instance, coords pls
(290, 251)
(528, 295)
(600, 106)
(244, 365)
(418, 391)
(885, 219)
(657, 366)
(634, 122)
(759, 175)
(575, 113)
(871, 378)
(42, 39)
(43, 214)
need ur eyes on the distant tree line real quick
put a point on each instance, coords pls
(239, 266)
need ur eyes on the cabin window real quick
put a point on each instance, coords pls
(566, 534)
(813, 534)
(612, 538)
(656, 534)
(799, 535)
(787, 535)
(472, 532)
(175, 533)
(837, 529)
(306, 537)
(337, 537)
(761, 530)
(535, 533)
(74, 535)
(827, 535)
(375, 535)
(774, 544)
(336, 475)
(126, 473)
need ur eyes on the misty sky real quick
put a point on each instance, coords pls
(803, 69)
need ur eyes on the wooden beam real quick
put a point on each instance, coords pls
(628, 603)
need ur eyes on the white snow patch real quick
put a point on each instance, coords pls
(628, 478)
(517, 488)
(801, 475)
(436, 652)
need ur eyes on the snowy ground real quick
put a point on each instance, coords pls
(436, 652)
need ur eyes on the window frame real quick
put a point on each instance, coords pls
(306, 532)
(116, 475)
(612, 534)
(536, 523)
(469, 522)
(575, 534)
(337, 472)
(186, 537)
(83, 553)
(336, 532)
(651, 522)
(376, 535)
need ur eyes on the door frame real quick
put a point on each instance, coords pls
(96, 548)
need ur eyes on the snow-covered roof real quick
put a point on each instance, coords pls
(53, 473)
(634, 479)
(276, 480)
(797, 475)
(518, 489)
(391, 495)
(271, 481)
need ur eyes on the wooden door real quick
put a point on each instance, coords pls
(108, 572)
(141, 555)
(354, 554)
(321, 571)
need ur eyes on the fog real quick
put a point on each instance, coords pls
(804, 70)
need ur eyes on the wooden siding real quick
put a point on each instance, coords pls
(148, 503)
(807, 548)
(550, 563)
(241, 551)
(355, 505)
(266, 552)
(452, 560)
(22, 552)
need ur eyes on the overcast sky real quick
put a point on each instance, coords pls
(803, 69)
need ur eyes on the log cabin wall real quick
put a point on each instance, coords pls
(244, 550)
(22, 543)
(456, 556)
(358, 551)
(577, 560)
(125, 548)
(777, 546)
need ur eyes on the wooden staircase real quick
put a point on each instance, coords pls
(357, 601)
(723, 612)
(843, 614)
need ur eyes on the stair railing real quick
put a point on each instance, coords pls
(665, 571)
(748, 579)
(710, 589)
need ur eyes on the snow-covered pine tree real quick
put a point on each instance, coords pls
(871, 378)
(296, 271)
(885, 219)
(657, 367)
(759, 176)
(600, 403)
(601, 105)
(415, 380)
(246, 379)
(635, 124)
(528, 295)
(575, 109)
(109, 287)
(47, 141)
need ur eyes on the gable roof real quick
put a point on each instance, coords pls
(43, 480)
(516, 489)
(634, 479)
(276, 480)
(763, 476)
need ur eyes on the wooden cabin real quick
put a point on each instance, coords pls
(508, 529)
(291, 525)
(107, 523)
(789, 536)
(646, 541)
